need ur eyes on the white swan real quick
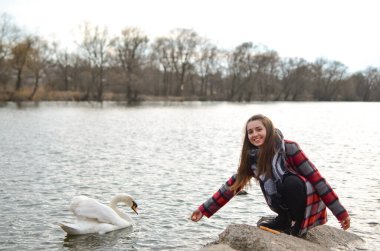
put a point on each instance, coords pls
(94, 217)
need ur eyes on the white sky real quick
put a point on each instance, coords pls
(342, 30)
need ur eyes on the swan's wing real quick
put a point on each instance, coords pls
(90, 209)
(125, 217)
(71, 229)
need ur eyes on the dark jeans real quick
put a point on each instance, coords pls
(293, 191)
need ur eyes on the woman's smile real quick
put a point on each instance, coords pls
(256, 140)
(256, 132)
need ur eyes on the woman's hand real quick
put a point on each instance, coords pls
(196, 216)
(345, 223)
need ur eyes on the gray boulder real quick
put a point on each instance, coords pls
(246, 237)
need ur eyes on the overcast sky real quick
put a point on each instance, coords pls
(341, 30)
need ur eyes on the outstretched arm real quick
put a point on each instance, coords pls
(218, 200)
(306, 168)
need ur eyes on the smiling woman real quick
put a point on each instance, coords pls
(291, 184)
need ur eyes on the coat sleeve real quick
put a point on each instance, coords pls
(219, 199)
(303, 166)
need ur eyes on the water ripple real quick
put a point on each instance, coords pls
(170, 158)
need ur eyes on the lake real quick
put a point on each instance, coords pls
(170, 157)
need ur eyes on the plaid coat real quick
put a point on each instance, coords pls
(319, 193)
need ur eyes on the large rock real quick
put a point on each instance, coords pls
(246, 237)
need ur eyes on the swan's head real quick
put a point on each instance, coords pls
(125, 198)
(134, 207)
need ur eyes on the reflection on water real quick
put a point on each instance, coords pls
(170, 157)
(117, 238)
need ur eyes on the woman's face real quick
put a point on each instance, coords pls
(256, 132)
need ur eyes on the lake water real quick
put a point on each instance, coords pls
(170, 157)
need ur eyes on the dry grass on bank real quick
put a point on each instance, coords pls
(24, 94)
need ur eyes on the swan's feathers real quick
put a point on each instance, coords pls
(70, 228)
(88, 209)
(87, 227)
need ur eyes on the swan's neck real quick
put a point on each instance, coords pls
(113, 205)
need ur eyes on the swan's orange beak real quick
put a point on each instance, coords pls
(134, 207)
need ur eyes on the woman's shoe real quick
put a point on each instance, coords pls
(295, 230)
(280, 223)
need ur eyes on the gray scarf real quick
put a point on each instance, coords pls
(270, 185)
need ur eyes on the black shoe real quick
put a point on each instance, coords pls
(295, 230)
(280, 223)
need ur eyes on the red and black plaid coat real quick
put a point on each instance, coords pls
(319, 192)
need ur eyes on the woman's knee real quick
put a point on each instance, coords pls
(295, 196)
(293, 184)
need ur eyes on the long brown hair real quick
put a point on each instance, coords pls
(264, 158)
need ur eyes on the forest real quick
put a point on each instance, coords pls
(181, 65)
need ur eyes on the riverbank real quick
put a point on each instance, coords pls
(25, 94)
(246, 237)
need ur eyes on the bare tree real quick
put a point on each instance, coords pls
(94, 45)
(207, 65)
(240, 71)
(63, 61)
(130, 50)
(37, 61)
(294, 74)
(20, 53)
(161, 55)
(375, 90)
(370, 83)
(8, 36)
(328, 76)
(264, 72)
(183, 48)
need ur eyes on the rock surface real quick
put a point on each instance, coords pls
(246, 237)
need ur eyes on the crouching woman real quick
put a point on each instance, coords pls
(291, 184)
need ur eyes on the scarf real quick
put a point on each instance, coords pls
(270, 185)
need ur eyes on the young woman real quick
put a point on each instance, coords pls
(291, 184)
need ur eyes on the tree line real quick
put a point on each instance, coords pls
(183, 65)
